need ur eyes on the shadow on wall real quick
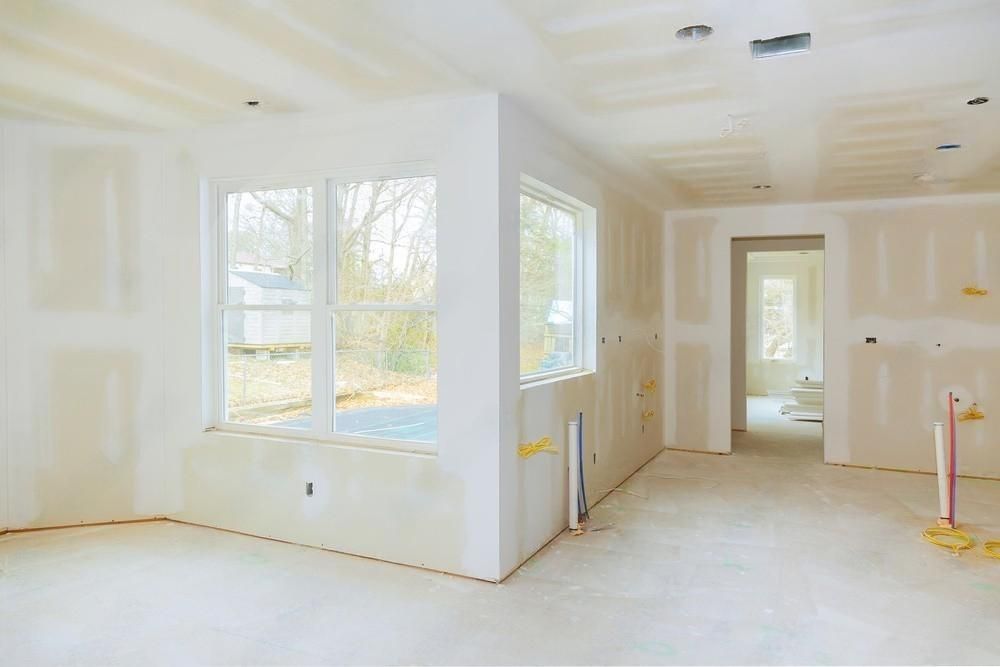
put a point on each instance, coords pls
(84, 242)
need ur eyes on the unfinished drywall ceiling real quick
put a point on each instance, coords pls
(695, 124)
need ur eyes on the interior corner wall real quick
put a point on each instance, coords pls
(438, 511)
(83, 326)
(4, 281)
(895, 271)
(534, 504)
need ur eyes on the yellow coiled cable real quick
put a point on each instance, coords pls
(529, 449)
(934, 535)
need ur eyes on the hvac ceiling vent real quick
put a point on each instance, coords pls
(780, 46)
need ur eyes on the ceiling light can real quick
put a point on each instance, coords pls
(694, 33)
(948, 147)
(976, 101)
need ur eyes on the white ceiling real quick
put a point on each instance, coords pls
(857, 117)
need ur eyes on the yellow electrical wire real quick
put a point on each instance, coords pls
(648, 414)
(970, 413)
(934, 535)
(972, 290)
(650, 386)
(528, 449)
(991, 548)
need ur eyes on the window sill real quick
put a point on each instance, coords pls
(569, 374)
(421, 449)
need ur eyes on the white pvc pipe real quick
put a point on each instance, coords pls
(574, 476)
(942, 471)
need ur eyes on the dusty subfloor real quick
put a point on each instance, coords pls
(766, 556)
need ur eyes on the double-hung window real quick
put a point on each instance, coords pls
(327, 315)
(551, 267)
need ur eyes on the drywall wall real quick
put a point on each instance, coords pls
(627, 289)
(769, 375)
(83, 339)
(895, 270)
(4, 483)
(435, 510)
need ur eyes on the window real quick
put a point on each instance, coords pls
(385, 361)
(777, 317)
(327, 315)
(550, 317)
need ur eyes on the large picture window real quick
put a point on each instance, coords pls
(550, 319)
(327, 314)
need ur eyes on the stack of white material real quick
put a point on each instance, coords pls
(807, 401)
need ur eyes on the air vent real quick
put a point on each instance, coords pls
(780, 46)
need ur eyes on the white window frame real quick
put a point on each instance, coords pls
(548, 195)
(795, 318)
(323, 308)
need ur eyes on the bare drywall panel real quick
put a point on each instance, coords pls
(894, 272)
(84, 287)
(628, 321)
(4, 281)
(84, 243)
(693, 300)
(438, 511)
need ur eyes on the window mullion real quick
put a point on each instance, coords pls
(322, 267)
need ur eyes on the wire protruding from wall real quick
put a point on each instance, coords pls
(972, 290)
(529, 449)
(971, 413)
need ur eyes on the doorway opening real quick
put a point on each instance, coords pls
(777, 346)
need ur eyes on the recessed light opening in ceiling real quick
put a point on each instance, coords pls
(761, 187)
(976, 101)
(780, 46)
(252, 103)
(694, 33)
(949, 147)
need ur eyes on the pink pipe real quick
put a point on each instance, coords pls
(953, 469)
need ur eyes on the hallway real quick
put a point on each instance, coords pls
(771, 435)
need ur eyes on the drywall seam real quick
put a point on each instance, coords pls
(836, 206)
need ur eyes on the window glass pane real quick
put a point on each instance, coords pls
(548, 234)
(386, 241)
(268, 368)
(386, 374)
(778, 318)
(269, 240)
